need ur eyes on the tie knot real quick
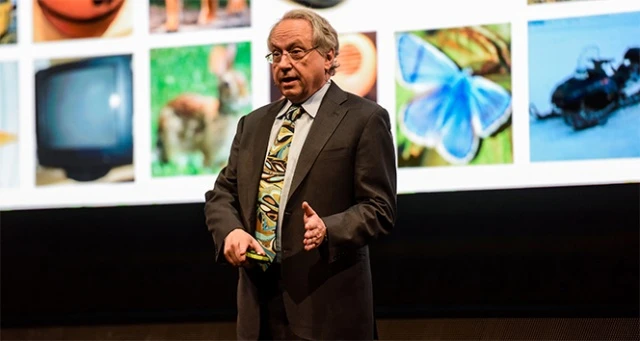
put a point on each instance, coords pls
(294, 112)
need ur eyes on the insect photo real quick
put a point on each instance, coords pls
(453, 96)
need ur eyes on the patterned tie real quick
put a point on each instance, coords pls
(271, 183)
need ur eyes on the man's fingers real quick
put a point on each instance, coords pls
(239, 250)
(237, 245)
(232, 256)
(235, 254)
(313, 233)
(228, 254)
(310, 244)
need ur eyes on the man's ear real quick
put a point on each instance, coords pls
(328, 59)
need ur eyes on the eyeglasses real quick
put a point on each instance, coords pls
(295, 54)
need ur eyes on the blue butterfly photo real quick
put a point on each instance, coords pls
(453, 106)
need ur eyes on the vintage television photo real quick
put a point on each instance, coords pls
(84, 120)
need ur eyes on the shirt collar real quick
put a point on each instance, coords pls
(312, 104)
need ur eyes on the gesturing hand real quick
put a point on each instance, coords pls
(316, 230)
(236, 245)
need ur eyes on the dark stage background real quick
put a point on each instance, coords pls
(537, 252)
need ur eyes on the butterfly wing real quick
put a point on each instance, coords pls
(459, 142)
(441, 119)
(490, 106)
(423, 64)
(423, 118)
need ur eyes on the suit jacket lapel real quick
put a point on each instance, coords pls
(325, 123)
(259, 145)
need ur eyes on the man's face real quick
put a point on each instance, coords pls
(298, 79)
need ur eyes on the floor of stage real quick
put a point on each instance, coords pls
(389, 329)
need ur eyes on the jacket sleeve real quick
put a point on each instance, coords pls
(222, 208)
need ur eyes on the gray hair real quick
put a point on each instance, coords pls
(324, 35)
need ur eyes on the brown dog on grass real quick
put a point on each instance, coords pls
(201, 123)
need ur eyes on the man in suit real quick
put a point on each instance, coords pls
(310, 182)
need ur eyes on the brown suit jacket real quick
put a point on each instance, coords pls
(347, 173)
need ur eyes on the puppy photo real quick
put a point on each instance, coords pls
(197, 112)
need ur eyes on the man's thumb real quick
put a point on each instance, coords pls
(308, 211)
(257, 247)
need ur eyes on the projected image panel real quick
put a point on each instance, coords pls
(9, 119)
(8, 22)
(453, 96)
(316, 4)
(84, 111)
(196, 106)
(584, 77)
(531, 2)
(169, 16)
(358, 66)
(56, 20)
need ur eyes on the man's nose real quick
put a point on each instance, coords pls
(285, 61)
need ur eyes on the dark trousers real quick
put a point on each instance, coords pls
(274, 324)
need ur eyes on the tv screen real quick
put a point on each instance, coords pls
(84, 113)
(87, 121)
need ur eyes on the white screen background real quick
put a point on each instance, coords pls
(384, 18)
